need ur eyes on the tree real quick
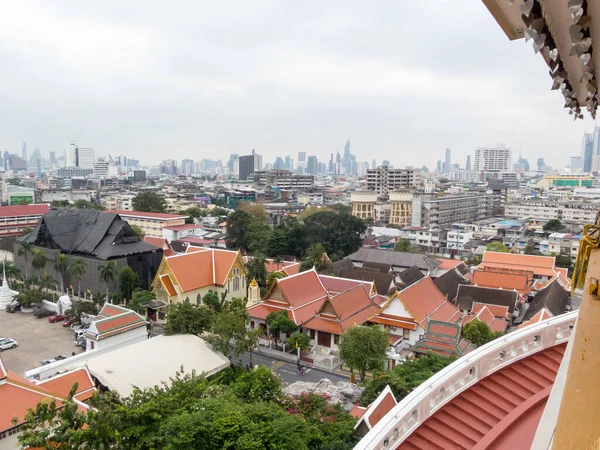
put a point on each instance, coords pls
(11, 270)
(78, 308)
(85, 204)
(187, 318)
(496, 246)
(364, 348)
(553, 225)
(404, 245)
(26, 230)
(218, 212)
(108, 273)
(226, 326)
(78, 270)
(26, 250)
(138, 297)
(39, 260)
(61, 266)
(258, 235)
(137, 230)
(249, 342)
(479, 332)
(212, 300)
(237, 224)
(129, 281)
(272, 276)
(255, 210)
(298, 340)
(279, 322)
(29, 297)
(404, 377)
(316, 257)
(149, 201)
(257, 270)
(564, 261)
(529, 250)
(258, 385)
(335, 231)
(60, 204)
(46, 282)
(288, 238)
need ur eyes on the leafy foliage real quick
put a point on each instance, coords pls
(129, 281)
(272, 276)
(496, 247)
(187, 318)
(78, 270)
(85, 204)
(553, 225)
(256, 270)
(138, 231)
(29, 297)
(138, 297)
(405, 377)
(39, 260)
(237, 224)
(211, 299)
(149, 201)
(336, 231)
(279, 322)
(479, 332)
(298, 340)
(404, 245)
(317, 257)
(108, 273)
(225, 326)
(81, 307)
(61, 265)
(364, 348)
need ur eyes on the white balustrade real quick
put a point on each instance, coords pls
(441, 388)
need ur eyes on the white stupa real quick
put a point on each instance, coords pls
(6, 293)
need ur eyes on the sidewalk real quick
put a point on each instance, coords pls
(279, 356)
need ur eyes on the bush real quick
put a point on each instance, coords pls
(29, 298)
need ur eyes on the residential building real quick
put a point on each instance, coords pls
(310, 198)
(383, 213)
(458, 235)
(401, 209)
(383, 179)
(312, 165)
(363, 204)
(14, 219)
(492, 159)
(440, 212)
(565, 180)
(80, 157)
(283, 179)
(151, 223)
(581, 212)
(189, 276)
(543, 267)
(249, 164)
(176, 232)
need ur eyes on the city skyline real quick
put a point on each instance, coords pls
(205, 83)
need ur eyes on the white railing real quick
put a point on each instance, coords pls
(441, 388)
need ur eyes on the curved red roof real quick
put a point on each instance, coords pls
(500, 411)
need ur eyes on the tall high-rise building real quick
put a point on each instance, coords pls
(448, 161)
(76, 156)
(7, 163)
(468, 164)
(373, 164)
(439, 166)
(187, 166)
(278, 164)
(52, 158)
(331, 168)
(492, 159)
(24, 151)
(312, 166)
(587, 151)
(249, 164)
(288, 163)
(301, 157)
(232, 159)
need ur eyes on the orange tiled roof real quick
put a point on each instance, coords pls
(302, 288)
(168, 284)
(540, 265)
(110, 310)
(292, 269)
(63, 383)
(263, 309)
(485, 315)
(447, 264)
(156, 241)
(518, 281)
(393, 321)
(541, 315)
(496, 310)
(423, 299)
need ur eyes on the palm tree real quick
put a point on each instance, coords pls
(12, 270)
(61, 265)
(108, 272)
(26, 250)
(39, 260)
(46, 282)
(78, 269)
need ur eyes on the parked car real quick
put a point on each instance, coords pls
(56, 318)
(13, 307)
(69, 322)
(80, 333)
(42, 312)
(6, 343)
(80, 342)
(48, 361)
(63, 356)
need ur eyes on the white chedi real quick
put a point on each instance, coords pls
(7, 295)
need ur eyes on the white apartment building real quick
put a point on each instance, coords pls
(458, 236)
(310, 198)
(383, 179)
(572, 212)
(492, 159)
(76, 156)
(422, 236)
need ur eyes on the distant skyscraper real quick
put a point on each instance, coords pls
(288, 163)
(312, 166)
(385, 163)
(187, 166)
(52, 158)
(232, 159)
(439, 166)
(76, 156)
(331, 168)
(279, 164)
(250, 164)
(301, 157)
(492, 159)
(7, 161)
(373, 164)
(587, 151)
(448, 161)
(468, 165)
(347, 159)
(24, 151)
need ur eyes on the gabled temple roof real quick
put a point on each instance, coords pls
(443, 338)
(553, 297)
(448, 283)
(467, 295)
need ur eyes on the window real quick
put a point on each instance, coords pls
(252, 324)
(406, 334)
(336, 339)
(312, 334)
(236, 283)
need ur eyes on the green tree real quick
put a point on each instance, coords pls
(29, 297)
(149, 201)
(258, 235)
(404, 377)
(317, 257)
(78, 308)
(298, 340)
(237, 224)
(218, 212)
(11, 270)
(288, 238)
(258, 385)
(255, 210)
(279, 322)
(364, 348)
(553, 225)
(26, 230)
(26, 250)
(108, 272)
(46, 281)
(85, 204)
(496, 246)
(225, 327)
(138, 231)
(61, 266)
(404, 245)
(78, 270)
(272, 276)
(249, 342)
(138, 297)
(564, 261)
(39, 260)
(335, 231)
(129, 281)
(479, 332)
(187, 318)
(257, 270)
(60, 204)
(529, 250)
(212, 300)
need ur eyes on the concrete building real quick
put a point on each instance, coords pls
(582, 212)
(401, 208)
(363, 204)
(14, 219)
(565, 180)
(151, 223)
(441, 212)
(383, 179)
(283, 179)
(458, 236)
(492, 159)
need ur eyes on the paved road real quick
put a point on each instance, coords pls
(288, 371)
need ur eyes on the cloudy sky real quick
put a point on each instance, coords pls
(153, 80)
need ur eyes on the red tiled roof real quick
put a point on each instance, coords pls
(358, 411)
(335, 285)
(518, 281)
(263, 309)
(302, 288)
(24, 210)
(393, 321)
(496, 310)
(447, 264)
(539, 265)
(292, 269)
(307, 311)
(201, 267)
(148, 215)
(63, 383)
(109, 310)
(541, 315)
(156, 241)
(485, 315)
(185, 226)
(380, 300)
(120, 321)
(168, 284)
(423, 299)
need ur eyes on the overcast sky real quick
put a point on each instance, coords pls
(153, 80)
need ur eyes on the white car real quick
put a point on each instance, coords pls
(6, 343)
(47, 361)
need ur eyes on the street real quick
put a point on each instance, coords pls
(288, 371)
